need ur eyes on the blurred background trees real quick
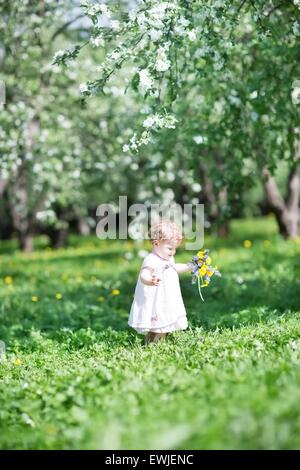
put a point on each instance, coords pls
(186, 102)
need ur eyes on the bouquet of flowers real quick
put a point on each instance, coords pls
(202, 271)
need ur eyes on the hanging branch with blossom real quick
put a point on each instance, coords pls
(165, 43)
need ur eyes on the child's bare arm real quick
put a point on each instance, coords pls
(182, 268)
(148, 277)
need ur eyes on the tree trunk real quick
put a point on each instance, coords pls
(208, 198)
(23, 217)
(22, 222)
(287, 212)
(207, 195)
(25, 242)
(223, 229)
(83, 227)
(58, 237)
(3, 185)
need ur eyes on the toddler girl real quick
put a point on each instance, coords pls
(157, 307)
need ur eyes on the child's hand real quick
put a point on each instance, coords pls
(155, 280)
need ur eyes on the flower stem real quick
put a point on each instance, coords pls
(199, 288)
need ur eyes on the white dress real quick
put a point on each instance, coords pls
(158, 308)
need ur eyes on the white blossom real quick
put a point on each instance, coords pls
(192, 35)
(196, 187)
(146, 81)
(46, 216)
(58, 55)
(254, 94)
(83, 88)
(295, 95)
(115, 25)
(199, 139)
(162, 63)
(155, 34)
(149, 121)
(254, 116)
(296, 28)
(97, 41)
(27, 420)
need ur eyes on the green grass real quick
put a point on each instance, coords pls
(76, 377)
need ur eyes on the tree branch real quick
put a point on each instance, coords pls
(273, 195)
(276, 7)
(65, 26)
(294, 184)
(241, 6)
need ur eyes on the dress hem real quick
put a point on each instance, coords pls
(168, 328)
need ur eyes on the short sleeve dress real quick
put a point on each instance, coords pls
(159, 309)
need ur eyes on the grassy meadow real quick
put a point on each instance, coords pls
(74, 376)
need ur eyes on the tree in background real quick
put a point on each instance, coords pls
(58, 158)
(207, 68)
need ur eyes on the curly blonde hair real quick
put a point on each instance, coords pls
(165, 230)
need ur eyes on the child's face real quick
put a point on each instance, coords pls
(165, 248)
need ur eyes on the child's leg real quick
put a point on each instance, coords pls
(149, 337)
(158, 337)
(152, 337)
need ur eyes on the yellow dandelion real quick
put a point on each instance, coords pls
(247, 243)
(51, 429)
(200, 254)
(34, 298)
(115, 292)
(101, 298)
(58, 296)
(17, 362)
(8, 280)
(202, 270)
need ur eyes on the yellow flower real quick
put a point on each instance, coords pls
(115, 292)
(8, 280)
(247, 243)
(17, 362)
(58, 295)
(34, 298)
(203, 270)
(51, 429)
(101, 298)
(200, 254)
(266, 243)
